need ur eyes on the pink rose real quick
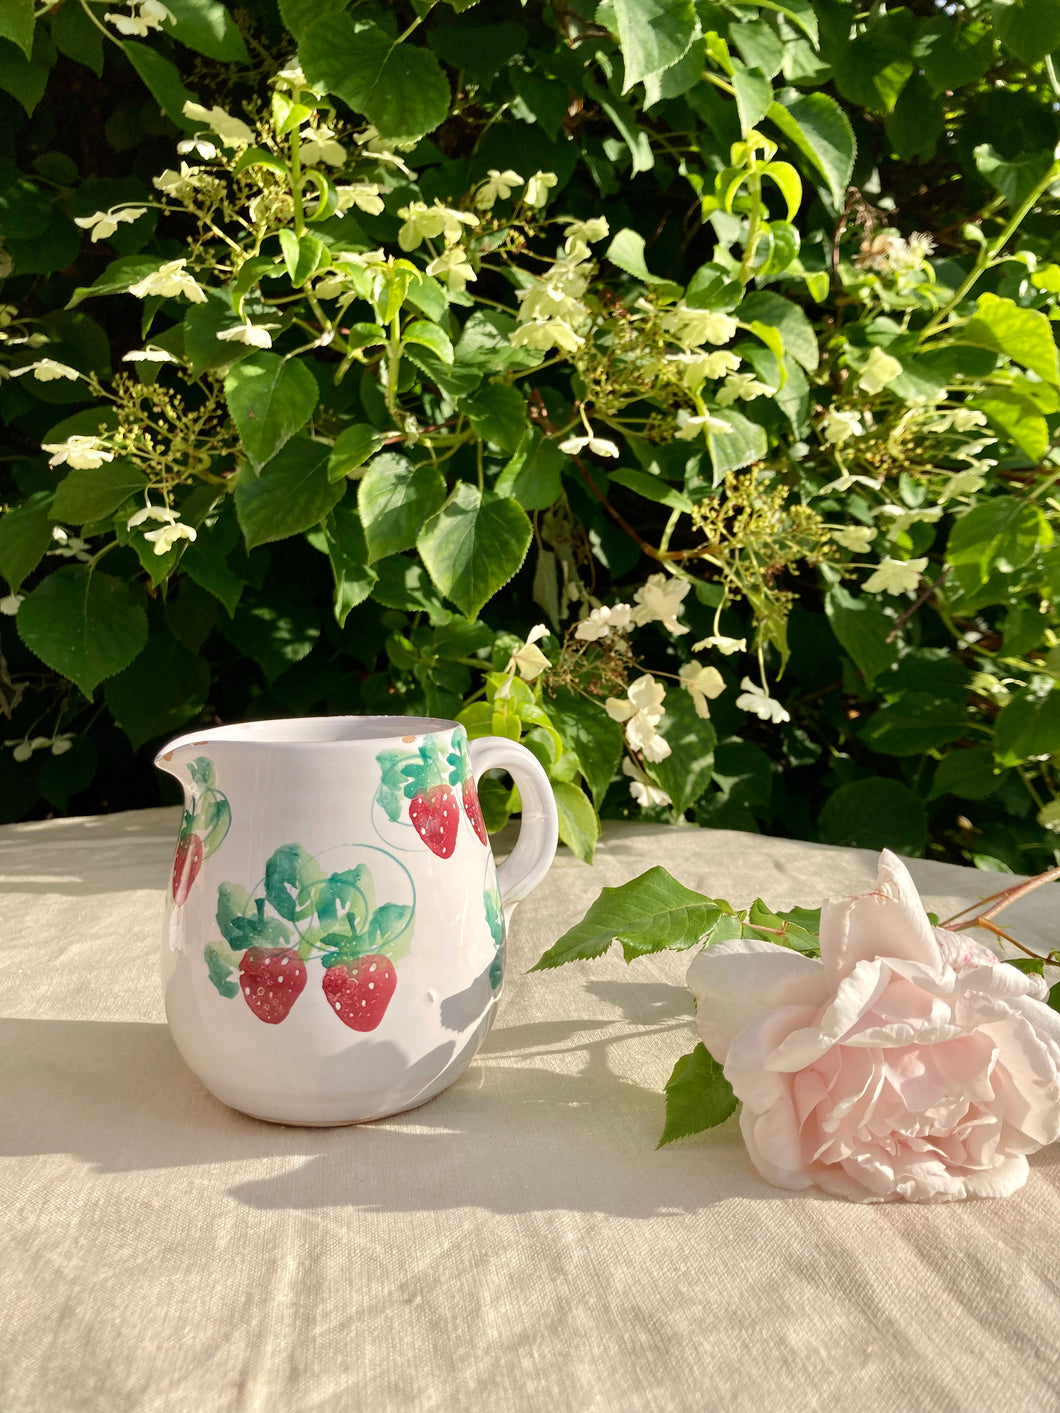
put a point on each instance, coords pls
(907, 1063)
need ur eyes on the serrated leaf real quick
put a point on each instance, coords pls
(819, 128)
(400, 88)
(429, 336)
(161, 690)
(1027, 726)
(754, 95)
(290, 494)
(270, 398)
(25, 537)
(1018, 418)
(875, 814)
(800, 341)
(95, 493)
(596, 740)
(207, 27)
(498, 414)
(650, 913)
(395, 498)
(686, 772)
(83, 624)
(353, 447)
(698, 1096)
(627, 252)
(579, 827)
(474, 545)
(745, 442)
(348, 553)
(1024, 335)
(1001, 534)
(117, 277)
(862, 627)
(653, 34)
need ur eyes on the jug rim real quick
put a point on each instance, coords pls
(302, 733)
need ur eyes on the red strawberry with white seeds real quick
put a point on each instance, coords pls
(360, 991)
(435, 816)
(186, 866)
(473, 809)
(271, 980)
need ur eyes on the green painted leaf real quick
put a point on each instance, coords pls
(653, 34)
(650, 913)
(220, 972)
(875, 814)
(579, 827)
(1001, 534)
(16, 23)
(83, 624)
(94, 494)
(158, 693)
(1026, 727)
(474, 545)
(400, 88)
(1030, 29)
(862, 627)
(586, 729)
(395, 497)
(353, 447)
(207, 27)
(292, 493)
(348, 552)
(1024, 335)
(270, 398)
(687, 771)
(698, 1096)
(25, 537)
(292, 879)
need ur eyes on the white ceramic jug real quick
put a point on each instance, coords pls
(334, 939)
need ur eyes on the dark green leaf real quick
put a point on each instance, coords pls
(25, 78)
(800, 341)
(650, 913)
(395, 498)
(969, 774)
(875, 814)
(754, 96)
(83, 624)
(474, 545)
(653, 35)
(117, 277)
(16, 23)
(25, 536)
(94, 494)
(353, 447)
(1028, 726)
(579, 827)
(207, 27)
(498, 414)
(686, 771)
(1002, 534)
(862, 627)
(348, 553)
(586, 729)
(744, 443)
(163, 81)
(698, 1096)
(292, 493)
(1030, 29)
(163, 689)
(275, 638)
(915, 723)
(533, 477)
(303, 255)
(270, 398)
(652, 488)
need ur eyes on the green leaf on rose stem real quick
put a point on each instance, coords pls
(698, 1096)
(207, 27)
(818, 127)
(579, 827)
(430, 336)
(1024, 335)
(353, 447)
(1030, 29)
(1028, 725)
(292, 493)
(83, 624)
(395, 498)
(401, 89)
(799, 929)
(16, 23)
(650, 913)
(687, 770)
(348, 553)
(165, 687)
(861, 626)
(586, 729)
(875, 813)
(94, 494)
(25, 537)
(1003, 533)
(474, 544)
(270, 398)
(653, 35)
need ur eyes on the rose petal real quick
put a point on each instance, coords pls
(889, 922)
(736, 982)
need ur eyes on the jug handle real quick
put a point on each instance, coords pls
(535, 847)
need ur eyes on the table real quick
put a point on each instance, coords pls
(517, 1244)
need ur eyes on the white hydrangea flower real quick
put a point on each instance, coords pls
(689, 427)
(528, 659)
(62, 742)
(47, 370)
(758, 702)
(698, 326)
(549, 300)
(603, 621)
(201, 146)
(741, 386)
(105, 223)
(68, 546)
(538, 188)
(320, 145)
(965, 418)
(9, 605)
(363, 195)
(544, 334)
(79, 453)
(253, 335)
(896, 576)
(659, 601)
(454, 268)
(702, 683)
(963, 483)
(498, 186)
(855, 538)
(151, 354)
(697, 366)
(166, 537)
(594, 229)
(423, 222)
(640, 711)
(602, 446)
(179, 185)
(643, 789)
(232, 131)
(838, 426)
(143, 17)
(879, 370)
(169, 281)
(725, 646)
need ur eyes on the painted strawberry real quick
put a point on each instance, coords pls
(271, 980)
(473, 809)
(186, 866)
(435, 815)
(360, 991)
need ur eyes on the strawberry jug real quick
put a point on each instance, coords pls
(333, 947)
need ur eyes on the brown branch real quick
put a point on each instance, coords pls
(904, 618)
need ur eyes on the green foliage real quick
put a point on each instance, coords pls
(698, 1096)
(359, 385)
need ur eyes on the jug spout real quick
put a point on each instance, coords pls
(177, 756)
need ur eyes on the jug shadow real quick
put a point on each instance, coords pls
(507, 1137)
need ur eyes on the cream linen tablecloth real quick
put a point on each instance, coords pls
(517, 1244)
